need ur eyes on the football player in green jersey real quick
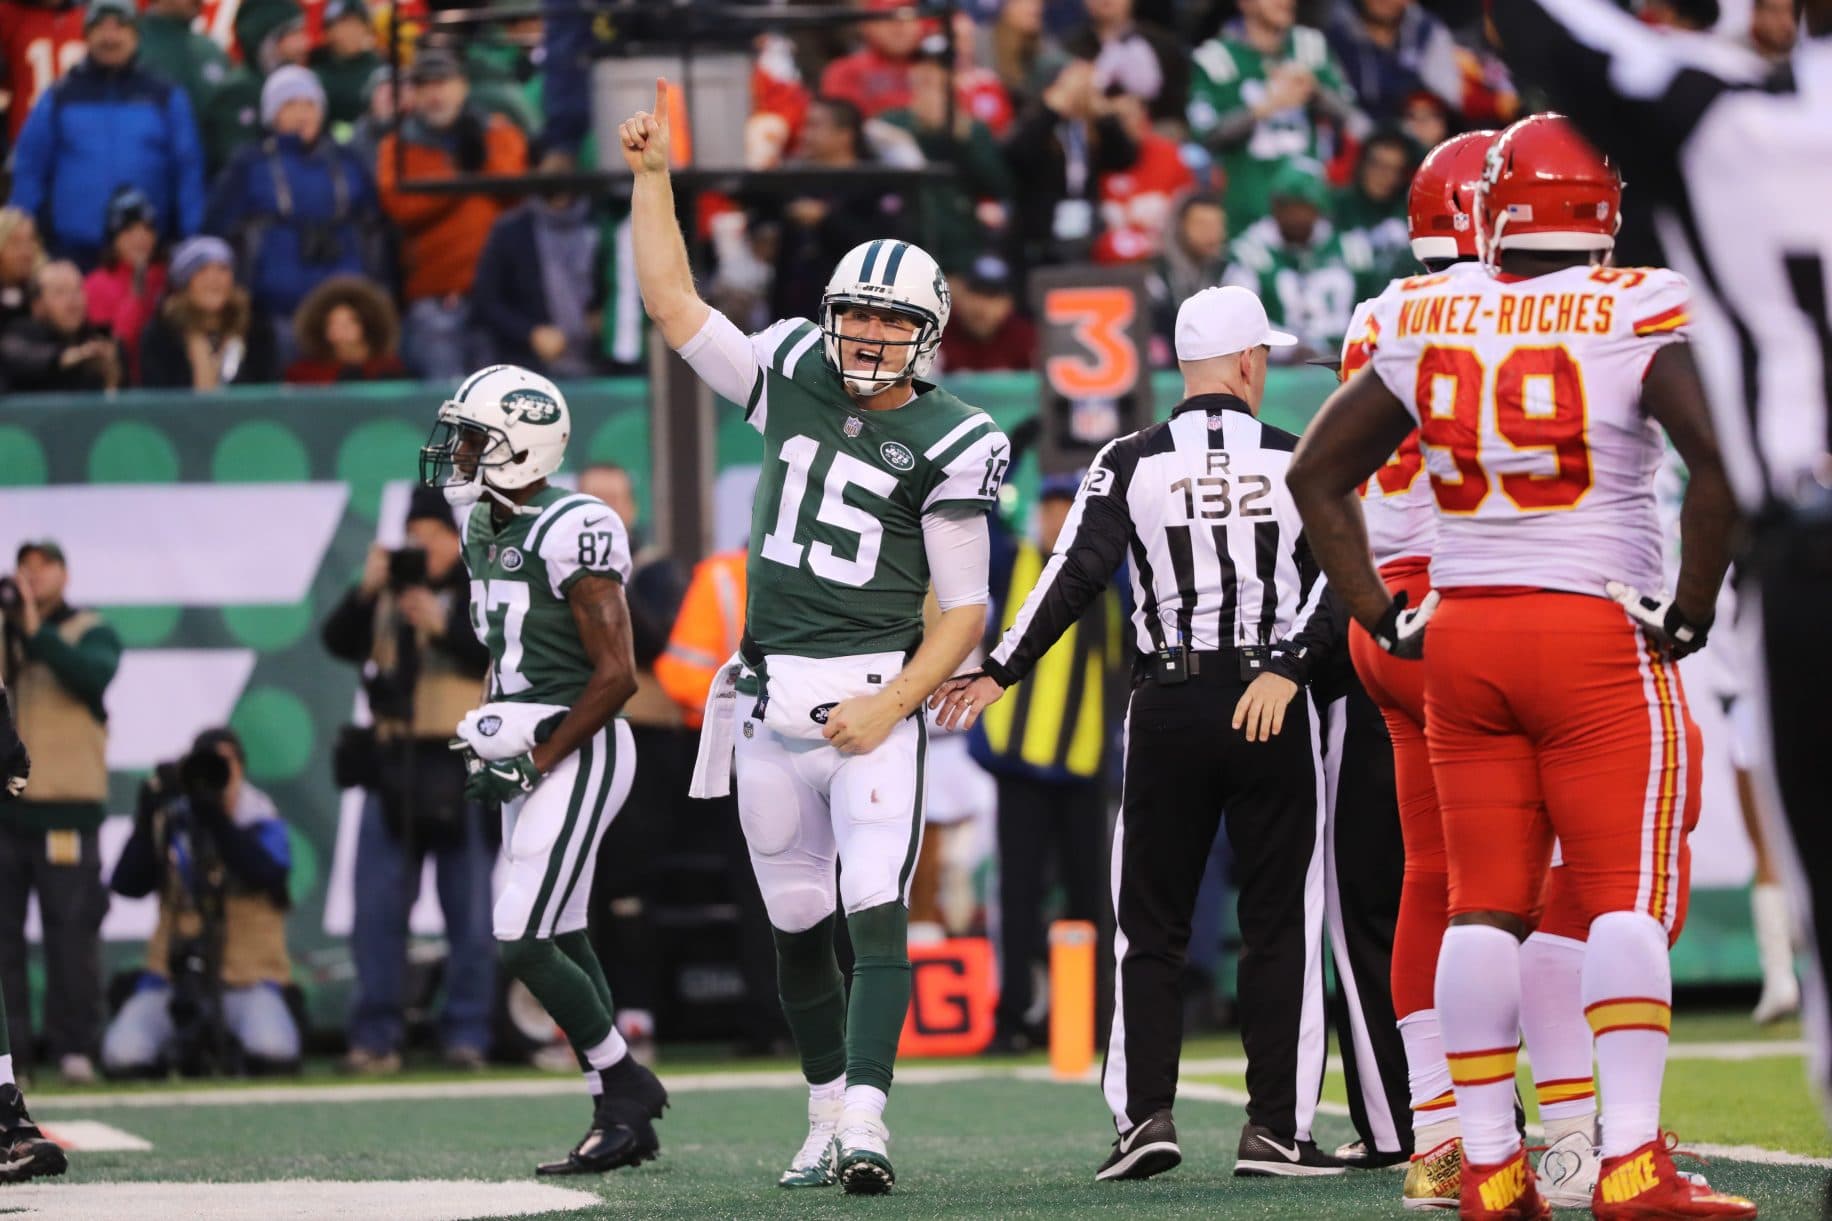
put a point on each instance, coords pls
(547, 570)
(876, 485)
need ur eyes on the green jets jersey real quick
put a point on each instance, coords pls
(837, 565)
(1311, 290)
(521, 572)
(1230, 75)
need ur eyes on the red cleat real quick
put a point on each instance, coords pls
(1507, 1191)
(1644, 1185)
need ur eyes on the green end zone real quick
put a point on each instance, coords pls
(971, 1140)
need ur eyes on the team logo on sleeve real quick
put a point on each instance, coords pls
(512, 560)
(897, 456)
(530, 407)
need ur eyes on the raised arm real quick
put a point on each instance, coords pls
(662, 270)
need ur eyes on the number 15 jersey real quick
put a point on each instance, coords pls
(1528, 398)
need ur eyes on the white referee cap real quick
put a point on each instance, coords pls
(1222, 321)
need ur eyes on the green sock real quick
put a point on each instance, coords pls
(562, 987)
(577, 945)
(880, 992)
(813, 1000)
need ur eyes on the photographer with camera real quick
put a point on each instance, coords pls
(215, 849)
(59, 661)
(408, 625)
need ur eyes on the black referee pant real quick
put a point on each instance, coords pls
(1365, 863)
(1794, 573)
(1187, 769)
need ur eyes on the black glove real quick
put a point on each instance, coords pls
(1401, 632)
(1661, 619)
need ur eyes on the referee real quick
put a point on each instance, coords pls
(1220, 578)
(1738, 159)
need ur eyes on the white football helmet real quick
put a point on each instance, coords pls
(508, 426)
(893, 275)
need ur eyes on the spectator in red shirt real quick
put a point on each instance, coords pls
(1136, 202)
(876, 77)
(987, 334)
(124, 290)
(347, 331)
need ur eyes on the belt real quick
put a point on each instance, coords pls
(1206, 665)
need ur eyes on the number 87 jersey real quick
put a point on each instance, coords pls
(1528, 398)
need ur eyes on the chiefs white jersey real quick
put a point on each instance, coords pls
(1396, 500)
(1528, 396)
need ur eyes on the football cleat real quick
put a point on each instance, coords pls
(817, 1162)
(1357, 1156)
(1644, 1183)
(1568, 1171)
(622, 1131)
(1149, 1148)
(1262, 1153)
(25, 1151)
(1506, 1191)
(1434, 1179)
(865, 1163)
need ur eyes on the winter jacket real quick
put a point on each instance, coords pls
(116, 302)
(297, 215)
(509, 295)
(165, 360)
(442, 236)
(169, 47)
(100, 128)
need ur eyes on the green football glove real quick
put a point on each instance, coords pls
(501, 781)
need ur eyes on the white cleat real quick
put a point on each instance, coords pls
(1568, 1172)
(865, 1163)
(817, 1162)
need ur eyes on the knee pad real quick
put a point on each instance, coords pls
(771, 822)
(796, 908)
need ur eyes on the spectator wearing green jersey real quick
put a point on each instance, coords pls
(1266, 90)
(1308, 273)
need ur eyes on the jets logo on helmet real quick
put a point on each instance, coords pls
(505, 429)
(896, 277)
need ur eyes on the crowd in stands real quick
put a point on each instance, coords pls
(236, 214)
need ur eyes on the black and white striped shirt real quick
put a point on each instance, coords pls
(1198, 506)
(1737, 160)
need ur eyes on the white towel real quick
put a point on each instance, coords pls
(712, 766)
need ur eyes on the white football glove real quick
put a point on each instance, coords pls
(1401, 632)
(504, 730)
(1661, 619)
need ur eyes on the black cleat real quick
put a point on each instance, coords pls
(621, 1135)
(1262, 1153)
(1150, 1148)
(25, 1152)
(632, 1081)
(1357, 1156)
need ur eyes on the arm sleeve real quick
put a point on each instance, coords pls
(1635, 90)
(257, 852)
(735, 365)
(84, 668)
(136, 871)
(1317, 636)
(587, 539)
(960, 556)
(32, 157)
(1092, 543)
(488, 300)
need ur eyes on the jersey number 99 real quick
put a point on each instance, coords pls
(1451, 399)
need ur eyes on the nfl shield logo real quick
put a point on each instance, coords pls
(489, 557)
(749, 730)
(854, 426)
(1214, 423)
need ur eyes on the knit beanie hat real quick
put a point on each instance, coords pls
(195, 255)
(289, 83)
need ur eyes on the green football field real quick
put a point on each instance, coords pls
(969, 1139)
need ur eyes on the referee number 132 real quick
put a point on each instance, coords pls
(1212, 497)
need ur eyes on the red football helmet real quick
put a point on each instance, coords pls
(1441, 207)
(1545, 187)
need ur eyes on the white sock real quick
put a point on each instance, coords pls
(867, 1098)
(6, 1069)
(1628, 998)
(1478, 994)
(1774, 939)
(1558, 1037)
(594, 1084)
(1434, 1103)
(827, 1091)
(612, 1049)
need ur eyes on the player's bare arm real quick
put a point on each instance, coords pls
(662, 270)
(1708, 521)
(859, 726)
(603, 619)
(1358, 427)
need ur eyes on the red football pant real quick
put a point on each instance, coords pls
(1550, 713)
(1398, 688)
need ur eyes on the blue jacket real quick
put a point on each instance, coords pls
(97, 129)
(297, 216)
